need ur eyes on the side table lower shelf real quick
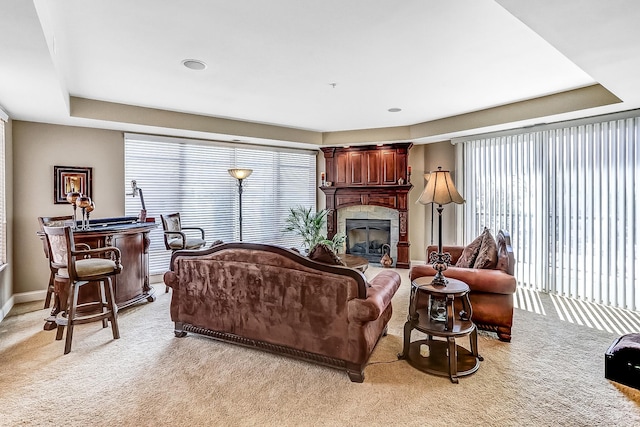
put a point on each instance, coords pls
(445, 357)
(437, 362)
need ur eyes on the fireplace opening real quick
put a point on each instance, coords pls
(366, 237)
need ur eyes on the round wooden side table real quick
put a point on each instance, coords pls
(441, 356)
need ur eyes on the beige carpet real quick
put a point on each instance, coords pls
(552, 374)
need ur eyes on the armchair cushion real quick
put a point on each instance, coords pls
(191, 243)
(91, 267)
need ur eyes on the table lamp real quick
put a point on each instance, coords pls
(441, 191)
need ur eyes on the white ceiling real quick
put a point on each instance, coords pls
(274, 61)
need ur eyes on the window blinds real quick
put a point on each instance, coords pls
(3, 206)
(190, 177)
(569, 198)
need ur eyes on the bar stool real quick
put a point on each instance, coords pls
(83, 267)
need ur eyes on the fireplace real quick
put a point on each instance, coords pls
(370, 177)
(367, 237)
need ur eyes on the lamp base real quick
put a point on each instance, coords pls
(440, 263)
(439, 280)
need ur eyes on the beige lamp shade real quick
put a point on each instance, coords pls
(440, 189)
(240, 173)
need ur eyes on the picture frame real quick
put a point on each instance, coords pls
(71, 178)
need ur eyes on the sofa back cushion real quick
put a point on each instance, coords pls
(505, 253)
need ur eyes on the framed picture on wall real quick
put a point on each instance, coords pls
(67, 179)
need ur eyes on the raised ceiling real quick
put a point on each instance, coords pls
(317, 72)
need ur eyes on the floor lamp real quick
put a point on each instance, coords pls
(240, 175)
(441, 191)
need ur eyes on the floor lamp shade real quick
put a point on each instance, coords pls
(441, 191)
(240, 174)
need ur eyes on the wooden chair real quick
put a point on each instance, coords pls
(51, 221)
(175, 237)
(83, 267)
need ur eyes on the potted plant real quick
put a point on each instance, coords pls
(309, 225)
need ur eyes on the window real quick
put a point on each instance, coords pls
(569, 198)
(190, 177)
(3, 206)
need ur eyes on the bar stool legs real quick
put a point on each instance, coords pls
(106, 305)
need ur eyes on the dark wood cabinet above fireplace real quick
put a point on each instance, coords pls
(369, 175)
(367, 165)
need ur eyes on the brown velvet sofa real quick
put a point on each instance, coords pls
(274, 299)
(491, 290)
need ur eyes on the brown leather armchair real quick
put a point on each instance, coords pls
(491, 290)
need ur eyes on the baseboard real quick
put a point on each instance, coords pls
(30, 296)
(20, 298)
(6, 308)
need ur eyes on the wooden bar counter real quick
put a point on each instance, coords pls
(132, 284)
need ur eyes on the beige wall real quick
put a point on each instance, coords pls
(442, 154)
(417, 211)
(37, 149)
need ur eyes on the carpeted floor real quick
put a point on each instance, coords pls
(552, 374)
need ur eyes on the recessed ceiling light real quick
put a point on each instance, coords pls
(194, 64)
(394, 110)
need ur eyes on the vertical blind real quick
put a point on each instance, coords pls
(190, 177)
(568, 196)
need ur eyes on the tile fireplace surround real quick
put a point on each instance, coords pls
(372, 212)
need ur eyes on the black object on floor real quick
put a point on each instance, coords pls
(622, 361)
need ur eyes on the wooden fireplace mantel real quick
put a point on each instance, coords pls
(370, 175)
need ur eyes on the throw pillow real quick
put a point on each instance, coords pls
(470, 253)
(488, 255)
(323, 253)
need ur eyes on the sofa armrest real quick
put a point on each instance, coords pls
(382, 289)
(479, 280)
(171, 279)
